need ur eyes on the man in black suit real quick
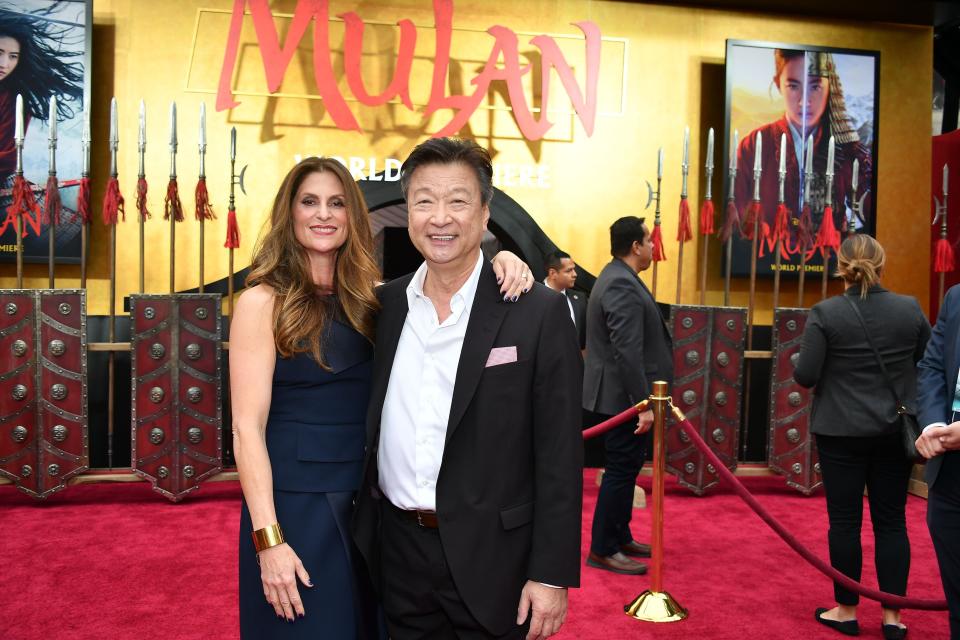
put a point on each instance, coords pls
(561, 276)
(469, 515)
(628, 348)
(939, 415)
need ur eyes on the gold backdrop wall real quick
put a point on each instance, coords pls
(661, 69)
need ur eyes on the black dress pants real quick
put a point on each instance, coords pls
(420, 598)
(878, 463)
(625, 453)
(943, 518)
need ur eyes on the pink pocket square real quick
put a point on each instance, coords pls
(501, 355)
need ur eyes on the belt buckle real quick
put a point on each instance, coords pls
(420, 518)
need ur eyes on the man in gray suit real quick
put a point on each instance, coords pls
(938, 404)
(628, 347)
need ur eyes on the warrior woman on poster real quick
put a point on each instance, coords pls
(33, 65)
(814, 107)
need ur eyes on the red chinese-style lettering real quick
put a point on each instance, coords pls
(503, 63)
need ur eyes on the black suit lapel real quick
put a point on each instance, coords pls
(486, 315)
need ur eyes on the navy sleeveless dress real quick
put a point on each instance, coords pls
(315, 435)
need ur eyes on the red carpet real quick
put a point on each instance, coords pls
(118, 561)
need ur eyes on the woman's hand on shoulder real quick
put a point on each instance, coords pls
(513, 275)
(279, 569)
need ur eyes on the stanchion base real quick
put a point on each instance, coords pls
(655, 606)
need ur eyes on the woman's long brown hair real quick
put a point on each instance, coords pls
(280, 261)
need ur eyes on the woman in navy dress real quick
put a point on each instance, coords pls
(300, 369)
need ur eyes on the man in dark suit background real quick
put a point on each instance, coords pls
(628, 348)
(469, 515)
(561, 276)
(939, 415)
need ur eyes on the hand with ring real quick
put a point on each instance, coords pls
(279, 569)
(513, 274)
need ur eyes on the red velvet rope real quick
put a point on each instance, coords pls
(615, 421)
(887, 599)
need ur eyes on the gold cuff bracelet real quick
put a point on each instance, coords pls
(267, 537)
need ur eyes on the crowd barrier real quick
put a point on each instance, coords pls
(660, 403)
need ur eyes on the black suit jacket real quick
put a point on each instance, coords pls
(851, 397)
(510, 485)
(937, 374)
(628, 342)
(579, 302)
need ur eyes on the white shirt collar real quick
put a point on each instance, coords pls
(462, 299)
(549, 286)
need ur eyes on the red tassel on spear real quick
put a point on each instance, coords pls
(52, 204)
(706, 218)
(113, 202)
(731, 221)
(943, 261)
(805, 234)
(233, 231)
(204, 209)
(827, 237)
(684, 233)
(83, 202)
(656, 237)
(750, 219)
(142, 199)
(172, 205)
(780, 232)
(24, 202)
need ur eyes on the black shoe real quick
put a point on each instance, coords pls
(893, 632)
(847, 627)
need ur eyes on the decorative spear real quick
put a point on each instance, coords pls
(51, 201)
(706, 219)
(684, 234)
(203, 211)
(142, 210)
(233, 231)
(828, 238)
(805, 223)
(781, 231)
(732, 219)
(83, 198)
(752, 223)
(23, 201)
(943, 254)
(172, 209)
(112, 205)
(856, 205)
(656, 236)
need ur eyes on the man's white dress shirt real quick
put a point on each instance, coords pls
(416, 409)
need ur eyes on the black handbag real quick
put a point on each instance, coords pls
(909, 427)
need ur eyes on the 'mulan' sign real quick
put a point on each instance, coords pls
(503, 64)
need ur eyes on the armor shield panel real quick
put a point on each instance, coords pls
(176, 416)
(43, 388)
(790, 448)
(708, 345)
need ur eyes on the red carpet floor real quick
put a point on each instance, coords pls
(119, 561)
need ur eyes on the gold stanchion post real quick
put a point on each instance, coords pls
(655, 604)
